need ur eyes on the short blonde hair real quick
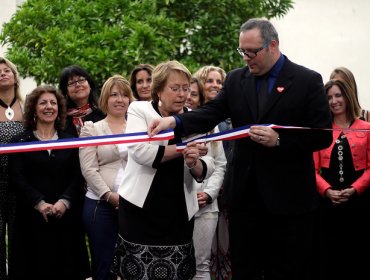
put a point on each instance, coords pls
(161, 73)
(203, 72)
(121, 83)
(12, 67)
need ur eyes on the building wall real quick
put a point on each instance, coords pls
(324, 34)
(319, 34)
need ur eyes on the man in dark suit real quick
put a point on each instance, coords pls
(270, 188)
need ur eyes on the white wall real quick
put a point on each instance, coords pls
(324, 34)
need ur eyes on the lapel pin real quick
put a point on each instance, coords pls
(280, 89)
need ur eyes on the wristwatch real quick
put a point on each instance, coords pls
(277, 143)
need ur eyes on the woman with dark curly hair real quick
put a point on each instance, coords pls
(49, 239)
(80, 91)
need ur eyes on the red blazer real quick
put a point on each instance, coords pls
(359, 143)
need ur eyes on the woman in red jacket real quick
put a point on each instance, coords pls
(343, 179)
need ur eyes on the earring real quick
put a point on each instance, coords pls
(159, 103)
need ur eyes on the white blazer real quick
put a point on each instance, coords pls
(213, 184)
(139, 172)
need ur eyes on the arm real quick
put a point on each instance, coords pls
(148, 153)
(159, 124)
(211, 187)
(315, 114)
(192, 161)
(322, 185)
(215, 181)
(362, 183)
(90, 164)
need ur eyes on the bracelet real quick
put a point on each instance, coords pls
(110, 193)
(194, 164)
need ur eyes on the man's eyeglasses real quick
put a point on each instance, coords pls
(80, 81)
(252, 53)
(185, 89)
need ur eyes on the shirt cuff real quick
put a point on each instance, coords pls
(66, 202)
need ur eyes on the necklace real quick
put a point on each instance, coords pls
(43, 137)
(9, 112)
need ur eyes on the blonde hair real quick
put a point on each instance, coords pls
(12, 67)
(161, 73)
(203, 72)
(115, 80)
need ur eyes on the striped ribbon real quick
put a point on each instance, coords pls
(84, 142)
(231, 134)
(243, 131)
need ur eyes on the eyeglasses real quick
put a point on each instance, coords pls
(80, 81)
(184, 89)
(252, 53)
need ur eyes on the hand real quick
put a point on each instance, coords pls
(59, 208)
(203, 149)
(191, 154)
(114, 199)
(263, 135)
(340, 196)
(46, 209)
(157, 125)
(203, 199)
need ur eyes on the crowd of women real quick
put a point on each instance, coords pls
(148, 210)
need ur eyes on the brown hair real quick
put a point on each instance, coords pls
(353, 108)
(346, 75)
(146, 67)
(30, 107)
(200, 88)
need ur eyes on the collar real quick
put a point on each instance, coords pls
(275, 70)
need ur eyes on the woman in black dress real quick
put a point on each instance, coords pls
(48, 234)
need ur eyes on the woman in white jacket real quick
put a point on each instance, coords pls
(157, 196)
(205, 222)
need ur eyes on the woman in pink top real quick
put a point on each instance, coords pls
(343, 180)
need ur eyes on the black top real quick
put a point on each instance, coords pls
(341, 172)
(40, 176)
(163, 220)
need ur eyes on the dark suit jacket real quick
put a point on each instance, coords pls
(284, 176)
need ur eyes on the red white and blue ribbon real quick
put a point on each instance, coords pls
(231, 134)
(235, 133)
(84, 142)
